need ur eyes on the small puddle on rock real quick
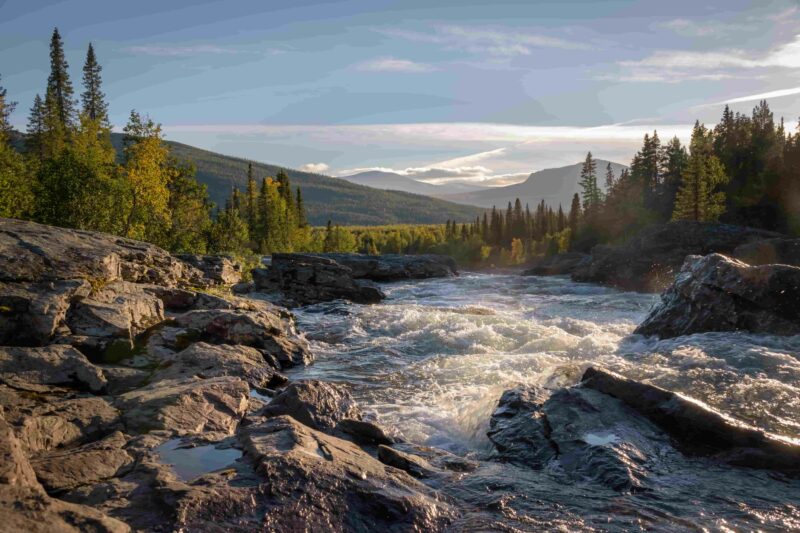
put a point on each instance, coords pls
(190, 463)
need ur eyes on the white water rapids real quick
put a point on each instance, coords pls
(432, 360)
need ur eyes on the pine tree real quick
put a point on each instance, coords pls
(302, 218)
(59, 96)
(588, 183)
(36, 126)
(610, 178)
(574, 214)
(93, 99)
(698, 198)
(251, 199)
(6, 108)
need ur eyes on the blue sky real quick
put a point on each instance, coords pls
(436, 89)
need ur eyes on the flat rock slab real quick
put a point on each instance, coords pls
(317, 404)
(35, 252)
(188, 406)
(56, 365)
(394, 267)
(215, 360)
(717, 293)
(320, 482)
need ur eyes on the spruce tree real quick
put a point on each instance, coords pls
(574, 214)
(588, 183)
(302, 219)
(59, 96)
(251, 200)
(93, 99)
(698, 198)
(6, 108)
(610, 178)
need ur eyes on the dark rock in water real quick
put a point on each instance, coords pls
(407, 462)
(649, 261)
(519, 430)
(716, 293)
(395, 267)
(558, 265)
(36, 369)
(697, 429)
(267, 330)
(784, 251)
(35, 252)
(32, 312)
(318, 482)
(317, 404)
(307, 279)
(219, 270)
(582, 433)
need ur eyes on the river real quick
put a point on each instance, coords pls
(432, 360)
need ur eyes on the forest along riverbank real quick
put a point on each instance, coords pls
(432, 360)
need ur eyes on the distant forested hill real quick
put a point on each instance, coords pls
(325, 198)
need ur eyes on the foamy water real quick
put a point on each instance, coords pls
(433, 359)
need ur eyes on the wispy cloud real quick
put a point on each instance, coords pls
(178, 51)
(392, 64)
(754, 97)
(486, 41)
(709, 28)
(316, 168)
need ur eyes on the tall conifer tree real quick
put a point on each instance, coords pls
(93, 99)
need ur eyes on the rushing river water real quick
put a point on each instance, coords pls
(432, 360)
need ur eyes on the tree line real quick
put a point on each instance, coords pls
(68, 173)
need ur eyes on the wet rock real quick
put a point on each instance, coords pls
(648, 261)
(307, 279)
(219, 270)
(581, 433)
(518, 428)
(363, 432)
(31, 313)
(320, 482)
(35, 252)
(393, 267)
(187, 406)
(698, 429)
(211, 360)
(120, 309)
(558, 265)
(410, 463)
(91, 463)
(317, 404)
(56, 365)
(266, 330)
(716, 293)
(784, 251)
(47, 426)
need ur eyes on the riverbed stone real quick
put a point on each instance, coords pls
(717, 293)
(214, 360)
(317, 404)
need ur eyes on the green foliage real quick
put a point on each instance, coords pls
(699, 197)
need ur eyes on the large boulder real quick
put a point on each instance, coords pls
(219, 270)
(266, 330)
(716, 293)
(518, 428)
(319, 482)
(648, 261)
(119, 309)
(35, 252)
(557, 265)
(696, 428)
(38, 369)
(317, 404)
(189, 406)
(32, 312)
(307, 279)
(770, 251)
